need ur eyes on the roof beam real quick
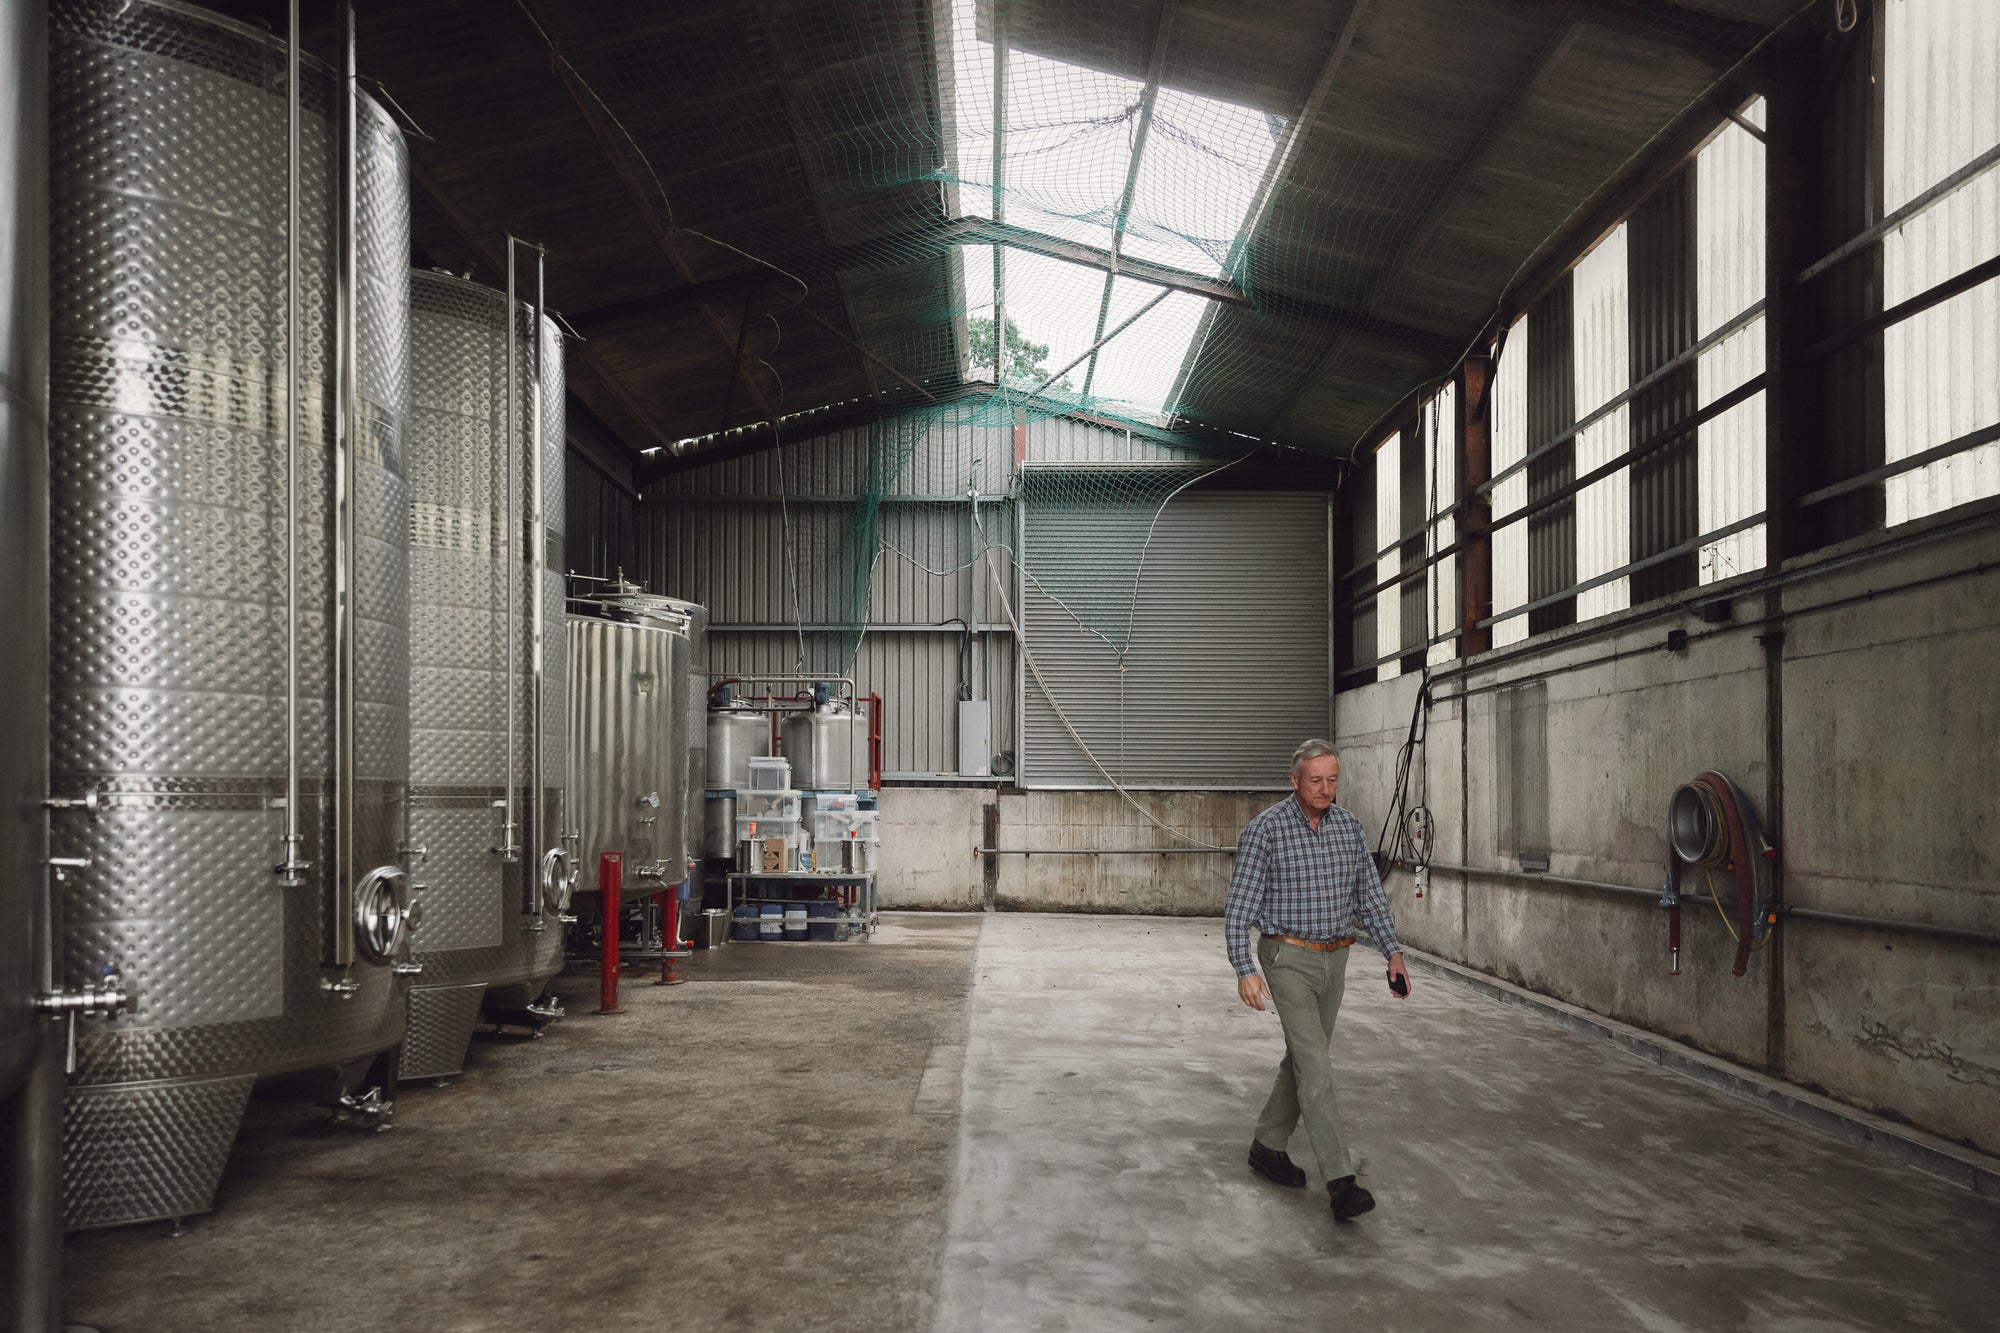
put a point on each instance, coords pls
(1435, 210)
(734, 286)
(608, 140)
(1155, 66)
(1713, 39)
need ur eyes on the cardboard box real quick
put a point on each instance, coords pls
(773, 854)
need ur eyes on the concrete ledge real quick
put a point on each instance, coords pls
(1934, 1156)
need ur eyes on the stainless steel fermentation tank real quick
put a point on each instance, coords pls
(486, 461)
(736, 734)
(828, 750)
(637, 745)
(222, 678)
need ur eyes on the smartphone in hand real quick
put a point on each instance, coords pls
(1399, 986)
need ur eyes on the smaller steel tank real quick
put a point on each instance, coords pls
(735, 733)
(826, 748)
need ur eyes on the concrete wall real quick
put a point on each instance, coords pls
(1865, 694)
(929, 833)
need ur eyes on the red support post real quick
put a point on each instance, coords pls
(610, 893)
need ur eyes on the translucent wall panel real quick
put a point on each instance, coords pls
(1509, 446)
(1729, 279)
(1941, 103)
(1603, 371)
(1440, 437)
(1388, 527)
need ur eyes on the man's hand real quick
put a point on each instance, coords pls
(1396, 969)
(1253, 992)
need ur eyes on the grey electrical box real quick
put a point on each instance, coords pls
(975, 738)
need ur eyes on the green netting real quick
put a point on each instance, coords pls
(1215, 226)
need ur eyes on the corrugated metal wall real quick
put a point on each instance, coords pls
(1665, 484)
(1227, 669)
(1729, 279)
(1551, 391)
(1941, 109)
(600, 511)
(1509, 445)
(1602, 355)
(1388, 471)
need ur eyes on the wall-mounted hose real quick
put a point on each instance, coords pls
(1712, 826)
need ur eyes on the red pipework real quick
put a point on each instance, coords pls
(875, 742)
(610, 888)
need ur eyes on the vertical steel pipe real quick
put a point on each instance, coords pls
(346, 446)
(509, 849)
(293, 862)
(537, 797)
(30, 1055)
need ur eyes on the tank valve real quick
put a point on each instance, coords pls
(406, 969)
(343, 987)
(106, 998)
(90, 803)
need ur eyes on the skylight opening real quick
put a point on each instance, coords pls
(1071, 139)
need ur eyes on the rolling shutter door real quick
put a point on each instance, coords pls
(1228, 665)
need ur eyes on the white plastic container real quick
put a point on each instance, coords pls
(769, 773)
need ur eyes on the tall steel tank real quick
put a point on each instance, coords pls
(495, 873)
(247, 955)
(628, 746)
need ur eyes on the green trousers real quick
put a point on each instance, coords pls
(1306, 985)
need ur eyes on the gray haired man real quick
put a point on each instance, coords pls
(1303, 879)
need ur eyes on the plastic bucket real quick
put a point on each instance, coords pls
(771, 922)
(795, 922)
(743, 925)
(820, 921)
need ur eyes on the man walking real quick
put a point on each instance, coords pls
(1303, 878)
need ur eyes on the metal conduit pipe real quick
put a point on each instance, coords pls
(509, 849)
(289, 868)
(1890, 924)
(1104, 851)
(346, 442)
(537, 797)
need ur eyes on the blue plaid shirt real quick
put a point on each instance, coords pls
(1291, 880)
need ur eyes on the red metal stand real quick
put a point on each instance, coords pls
(610, 893)
(670, 937)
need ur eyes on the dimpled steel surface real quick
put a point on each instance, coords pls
(476, 926)
(168, 581)
(628, 750)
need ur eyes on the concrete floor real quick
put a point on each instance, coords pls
(835, 1138)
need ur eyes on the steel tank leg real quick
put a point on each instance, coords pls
(37, 1206)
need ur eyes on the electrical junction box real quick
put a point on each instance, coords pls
(975, 738)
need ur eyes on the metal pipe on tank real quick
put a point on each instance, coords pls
(289, 867)
(537, 802)
(509, 849)
(37, 1239)
(347, 345)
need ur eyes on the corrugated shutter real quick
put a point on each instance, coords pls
(1228, 667)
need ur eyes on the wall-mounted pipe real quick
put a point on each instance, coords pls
(346, 449)
(1104, 851)
(1962, 935)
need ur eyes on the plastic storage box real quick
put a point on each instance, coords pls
(770, 773)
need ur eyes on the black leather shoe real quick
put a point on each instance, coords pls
(1276, 1166)
(1349, 1199)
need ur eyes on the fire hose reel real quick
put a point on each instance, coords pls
(1712, 826)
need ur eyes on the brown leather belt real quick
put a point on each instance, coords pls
(1317, 946)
